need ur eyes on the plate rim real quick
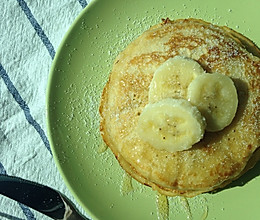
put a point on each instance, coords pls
(47, 101)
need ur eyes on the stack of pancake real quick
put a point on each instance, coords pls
(219, 157)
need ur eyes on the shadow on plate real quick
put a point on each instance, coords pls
(244, 179)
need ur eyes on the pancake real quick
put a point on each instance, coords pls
(220, 157)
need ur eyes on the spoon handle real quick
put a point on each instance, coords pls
(39, 197)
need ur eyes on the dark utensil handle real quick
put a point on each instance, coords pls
(39, 197)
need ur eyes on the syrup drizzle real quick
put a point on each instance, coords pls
(162, 205)
(205, 214)
(162, 202)
(126, 184)
(102, 147)
(186, 206)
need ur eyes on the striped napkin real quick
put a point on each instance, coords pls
(30, 34)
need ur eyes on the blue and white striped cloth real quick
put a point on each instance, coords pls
(30, 33)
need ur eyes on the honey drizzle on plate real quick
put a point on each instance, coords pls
(186, 206)
(126, 184)
(205, 214)
(162, 202)
(102, 147)
(162, 205)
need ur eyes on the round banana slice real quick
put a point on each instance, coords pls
(215, 96)
(171, 124)
(173, 77)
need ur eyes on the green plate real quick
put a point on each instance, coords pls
(78, 75)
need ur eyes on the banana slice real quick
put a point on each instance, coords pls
(171, 124)
(215, 96)
(173, 77)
